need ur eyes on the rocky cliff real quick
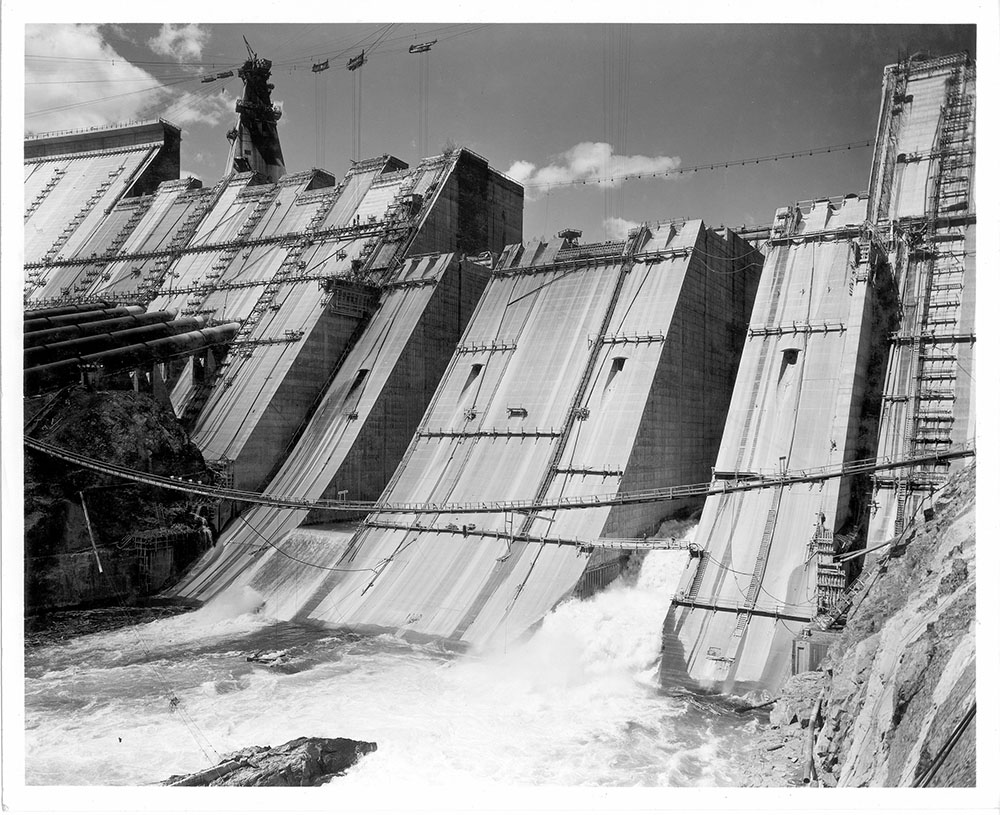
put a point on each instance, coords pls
(120, 427)
(899, 708)
(897, 690)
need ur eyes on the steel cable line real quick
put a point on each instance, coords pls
(339, 613)
(574, 502)
(739, 162)
(925, 778)
(100, 99)
(107, 80)
(285, 554)
(305, 61)
(220, 63)
(806, 604)
(358, 88)
(189, 101)
(197, 734)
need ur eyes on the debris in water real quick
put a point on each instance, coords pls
(268, 657)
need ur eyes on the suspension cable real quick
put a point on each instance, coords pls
(748, 483)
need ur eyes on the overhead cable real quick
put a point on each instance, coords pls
(717, 165)
(748, 484)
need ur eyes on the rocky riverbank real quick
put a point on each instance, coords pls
(896, 692)
(61, 626)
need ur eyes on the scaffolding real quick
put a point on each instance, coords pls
(933, 341)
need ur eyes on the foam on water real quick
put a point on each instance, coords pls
(576, 703)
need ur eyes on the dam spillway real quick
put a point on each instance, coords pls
(399, 340)
(807, 366)
(861, 344)
(585, 368)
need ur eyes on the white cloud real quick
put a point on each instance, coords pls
(590, 162)
(119, 31)
(521, 171)
(74, 79)
(179, 42)
(618, 228)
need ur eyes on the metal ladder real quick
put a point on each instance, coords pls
(758, 377)
(57, 176)
(229, 253)
(574, 413)
(863, 581)
(290, 267)
(942, 295)
(756, 579)
(81, 216)
(151, 283)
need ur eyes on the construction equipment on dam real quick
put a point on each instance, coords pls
(438, 408)
(861, 342)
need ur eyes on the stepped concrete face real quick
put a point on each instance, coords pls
(861, 345)
(924, 176)
(585, 369)
(72, 180)
(361, 426)
(809, 361)
(300, 264)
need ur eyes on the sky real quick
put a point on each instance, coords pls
(543, 103)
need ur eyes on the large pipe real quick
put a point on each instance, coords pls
(80, 346)
(69, 332)
(80, 317)
(41, 378)
(56, 311)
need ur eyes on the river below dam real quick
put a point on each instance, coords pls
(577, 703)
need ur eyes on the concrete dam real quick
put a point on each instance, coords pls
(400, 343)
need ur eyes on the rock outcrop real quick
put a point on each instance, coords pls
(898, 688)
(903, 674)
(121, 427)
(302, 762)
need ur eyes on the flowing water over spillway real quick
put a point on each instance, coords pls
(576, 703)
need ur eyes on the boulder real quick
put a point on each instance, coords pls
(797, 698)
(302, 762)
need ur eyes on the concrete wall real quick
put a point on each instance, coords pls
(477, 210)
(394, 419)
(924, 169)
(813, 409)
(165, 167)
(680, 432)
(292, 402)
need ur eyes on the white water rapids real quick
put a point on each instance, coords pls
(576, 703)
